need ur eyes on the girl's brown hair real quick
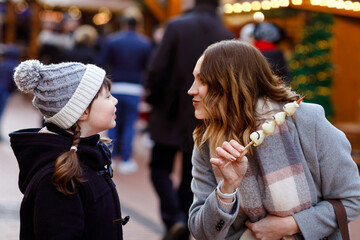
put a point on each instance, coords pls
(237, 75)
(68, 169)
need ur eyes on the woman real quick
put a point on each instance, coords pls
(279, 188)
(65, 169)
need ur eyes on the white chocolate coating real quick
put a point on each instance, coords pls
(257, 137)
(268, 127)
(279, 118)
(290, 108)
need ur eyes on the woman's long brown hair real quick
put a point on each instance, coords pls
(237, 75)
(68, 170)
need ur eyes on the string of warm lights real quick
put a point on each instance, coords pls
(339, 4)
(103, 16)
(238, 7)
(255, 6)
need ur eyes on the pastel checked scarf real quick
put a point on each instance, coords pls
(275, 181)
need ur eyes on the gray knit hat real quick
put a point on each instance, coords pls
(267, 32)
(63, 91)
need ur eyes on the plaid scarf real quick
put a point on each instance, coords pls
(275, 181)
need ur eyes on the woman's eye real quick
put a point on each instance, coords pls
(202, 80)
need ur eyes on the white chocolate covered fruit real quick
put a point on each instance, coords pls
(257, 137)
(290, 108)
(268, 127)
(279, 118)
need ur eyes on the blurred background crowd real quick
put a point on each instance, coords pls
(312, 44)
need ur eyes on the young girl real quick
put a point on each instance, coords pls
(279, 190)
(65, 172)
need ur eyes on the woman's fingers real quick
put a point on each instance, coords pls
(236, 145)
(217, 162)
(230, 150)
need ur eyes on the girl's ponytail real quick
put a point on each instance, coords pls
(68, 170)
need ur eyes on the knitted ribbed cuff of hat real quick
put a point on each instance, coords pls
(81, 99)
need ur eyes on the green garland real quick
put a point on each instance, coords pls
(311, 67)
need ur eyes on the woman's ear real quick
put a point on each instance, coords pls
(85, 115)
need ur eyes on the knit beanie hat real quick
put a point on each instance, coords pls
(268, 32)
(62, 92)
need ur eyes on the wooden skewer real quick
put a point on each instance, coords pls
(298, 101)
(250, 143)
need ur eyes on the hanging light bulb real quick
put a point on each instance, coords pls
(356, 6)
(228, 8)
(266, 5)
(284, 3)
(348, 5)
(323, 3)
(246, 7)
(259, 17)
(315, 2)
(255, 5)
(296, 2)
(340, 4)
(275, 3)
(331, 3)
(238, 8)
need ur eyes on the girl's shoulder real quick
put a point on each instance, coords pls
(45, 130)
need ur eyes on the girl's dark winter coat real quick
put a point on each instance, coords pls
(48, 214)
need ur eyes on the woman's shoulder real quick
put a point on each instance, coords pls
(309, 112)
(310, 108)
(202, 150)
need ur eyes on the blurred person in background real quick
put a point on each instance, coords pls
(54, 39)
(85, 37)
(125, 54)
(171, 120)
(8, 62)
(267, 36)
(247, 33)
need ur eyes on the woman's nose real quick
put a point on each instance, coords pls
(192, 91)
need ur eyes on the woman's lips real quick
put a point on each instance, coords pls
(195, 102)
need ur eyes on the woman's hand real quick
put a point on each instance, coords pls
(273, 227)
(232, 173)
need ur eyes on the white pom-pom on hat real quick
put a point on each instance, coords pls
(27, 75)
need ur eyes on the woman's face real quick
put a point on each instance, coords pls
(198, 90)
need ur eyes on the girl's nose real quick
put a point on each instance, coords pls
(115, 101)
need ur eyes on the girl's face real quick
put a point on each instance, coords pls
(102, 114)
(198, 90)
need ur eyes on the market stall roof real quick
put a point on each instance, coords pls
(113, 5)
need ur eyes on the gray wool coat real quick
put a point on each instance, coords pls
(330, 171)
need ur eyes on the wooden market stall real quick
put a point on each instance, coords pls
(344, 55)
